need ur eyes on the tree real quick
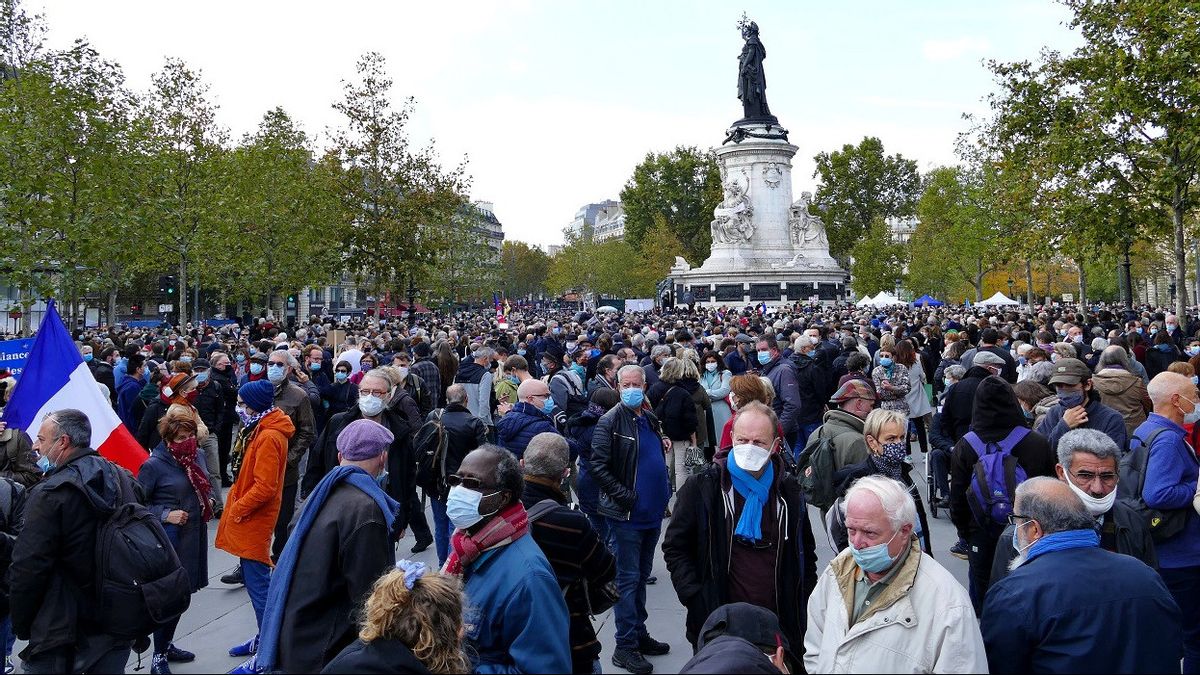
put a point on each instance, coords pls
(469, 270)
(682, 187)
(878, 261)
(523, 269)
(398, 200)
(859, 184)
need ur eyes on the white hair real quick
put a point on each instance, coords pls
(1166, 383)
(804, 341)
(892, 495)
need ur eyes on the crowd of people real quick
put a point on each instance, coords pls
(555, 448)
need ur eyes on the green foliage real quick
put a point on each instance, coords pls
(957, 241)
(679, 188)
(878, 261)
(859, 184)
(523, 269)
(614, 268)
(469, 270)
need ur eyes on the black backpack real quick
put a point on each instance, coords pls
(140, 583)
(1163, 524)
(815, 470)
(431, 446)
(577, 400)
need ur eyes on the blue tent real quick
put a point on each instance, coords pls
(927, 302)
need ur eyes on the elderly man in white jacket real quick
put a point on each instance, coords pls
(882, 606)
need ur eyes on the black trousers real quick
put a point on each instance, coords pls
(981, 552)
(224, 445)
(416, 518)
(287, 509)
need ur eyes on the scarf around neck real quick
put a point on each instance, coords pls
(755, 492)
(1062, 541)
(185, 454)
(504, 528)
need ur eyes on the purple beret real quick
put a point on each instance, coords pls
(363, 439)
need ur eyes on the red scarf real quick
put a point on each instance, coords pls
(184, 452)
(504, 528)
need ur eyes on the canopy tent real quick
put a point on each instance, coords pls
(999, 299)
(884, 299)
(606, 309)
(927, 301)
(867, 301)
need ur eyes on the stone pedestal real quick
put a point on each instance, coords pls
(766, 248)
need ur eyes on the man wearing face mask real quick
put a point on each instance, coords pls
(629, 466)
(1088, 463)
(521, 623)
(884, 606)
(782, 374)
(740, 531)
(257, 369)
(532, 415)
(1079, 406)
(1070, 607)
(222, 379)
(568, 540)
(341, 543)
(294, 402)
(210, 405)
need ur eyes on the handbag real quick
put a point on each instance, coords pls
(693, 458)
(599, 597)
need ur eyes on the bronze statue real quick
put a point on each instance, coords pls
(752, 79)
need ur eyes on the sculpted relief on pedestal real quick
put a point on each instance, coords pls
(807, 230)
(733, 222)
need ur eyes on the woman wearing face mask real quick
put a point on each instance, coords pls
(1035, 399)
(886, 434)
(255, 370)
(891, 381)
(1161, 354)
(178, 491)
(365, 365)
(341, 394)
(177, 390)
(715, 380)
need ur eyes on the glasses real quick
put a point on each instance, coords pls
(1013, 517)
(1086, 477)
(454, 480)
(372, 392)
(546, 395)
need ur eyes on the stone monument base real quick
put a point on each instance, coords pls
(775, 286)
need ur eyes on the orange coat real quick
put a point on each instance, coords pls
(252, 506)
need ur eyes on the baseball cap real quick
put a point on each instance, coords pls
(1069, 371)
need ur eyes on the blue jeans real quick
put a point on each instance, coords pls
(634, 550)
(258, 580)
(1184, 585)
(806, 430)
(6, 632)
(442, 529)
(603, 531)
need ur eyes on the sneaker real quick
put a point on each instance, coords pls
(247, 648)
(959, 550)
(9, 668)
(651, 647)
(631, 660)
(651, 580)
(177, 655)
(234, 578)
(422, 545)
(247, 667)
(158, 666)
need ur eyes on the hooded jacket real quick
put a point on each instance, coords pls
(1124, 392)
(960, 403)
(477, 380)
(520, 425)
(252, 505)
(51, 579)
(996, 414)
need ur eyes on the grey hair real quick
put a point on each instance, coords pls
(508, 470)
(672, 370)
(456, 393)
(631, 368)
(1045, 500)
(484, 352)
(1166, 383)
(1114, 355)
(74, 425)
(1092, 441)
(897, 503)
(659, 350)
(804, 341)
(955, 373)
(547, 456)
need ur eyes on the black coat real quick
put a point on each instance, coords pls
(698, 540)
(812, 380)
(225, 382)
(677, 411)
(210, 403)
(615, 459)
(465, 432)
(378, 657)
(339, 398)
(959, 403)
(147, 431)
(167, 489)
(347, 548)
(1158, 361)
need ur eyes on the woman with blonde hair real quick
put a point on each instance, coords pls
(411, 623)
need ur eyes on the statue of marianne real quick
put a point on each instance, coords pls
(752, 79)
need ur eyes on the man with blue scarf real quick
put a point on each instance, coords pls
(1069, 606)
(341, 544)
(740, 531)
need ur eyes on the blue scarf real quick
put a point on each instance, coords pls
(755, 493)
(281, 578)
(1061, 541)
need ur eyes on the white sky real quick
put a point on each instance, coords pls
(555, 102)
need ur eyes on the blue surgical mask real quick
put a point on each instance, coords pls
(1193, 416)
(314, 367)
(88, 358)
(548, 406)
(241, 358)
(632, 397)
(276, 373)
(256, 368)
(1192, 351)
(885, 362)
(874, 559)
(462, 507)
(947, 381)
(44, 464)
(593, 353)
(514, 379)
(1016, 543)
(202, 377)
(1070, 400)
(521, 352)
(341, 377)
(185, 359)
(764, 358)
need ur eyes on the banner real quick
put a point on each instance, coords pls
(13, 354)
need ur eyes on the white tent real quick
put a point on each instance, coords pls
(999, 299)
(867, 301)
(884, 299)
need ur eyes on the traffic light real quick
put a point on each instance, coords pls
(135, 309)
(166, 284)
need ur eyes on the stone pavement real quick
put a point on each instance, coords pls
(220, 616)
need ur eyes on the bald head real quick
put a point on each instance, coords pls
(1173, 395)
(1052, 505)
(533, 392)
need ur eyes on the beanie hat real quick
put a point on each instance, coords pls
(363, 439)
(259, 395)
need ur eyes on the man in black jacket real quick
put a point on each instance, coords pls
(210, 403)
(960, 399)
(713, 565)
(464, 432)
(628, 463)
(568, 540)
(223, 380)
(812, 381)
(51, 579)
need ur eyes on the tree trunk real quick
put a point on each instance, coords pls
(1181, 294)
(1082, 284)
(180, 297)
(979, 280)
(111, 317)
(1029, 282)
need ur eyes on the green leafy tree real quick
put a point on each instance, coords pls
(680, 188)
(523, 269)
(469, 271)
(860, 184)
(878, 261)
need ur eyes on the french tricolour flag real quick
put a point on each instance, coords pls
(55, 377)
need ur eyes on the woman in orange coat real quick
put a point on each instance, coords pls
(253, 503)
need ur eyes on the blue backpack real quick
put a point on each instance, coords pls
(995, 478)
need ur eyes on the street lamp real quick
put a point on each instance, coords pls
(1010, 287)
(899, 281)
(412, 294)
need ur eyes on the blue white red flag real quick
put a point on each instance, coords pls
(56, 378)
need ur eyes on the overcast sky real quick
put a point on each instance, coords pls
(554, 103)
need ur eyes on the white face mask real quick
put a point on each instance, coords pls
(710, 367)
(1096, 507)
(750, 457)
(403, 372)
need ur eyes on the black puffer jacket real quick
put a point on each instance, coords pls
(677, 411)
(959, 403)
(615, 459)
